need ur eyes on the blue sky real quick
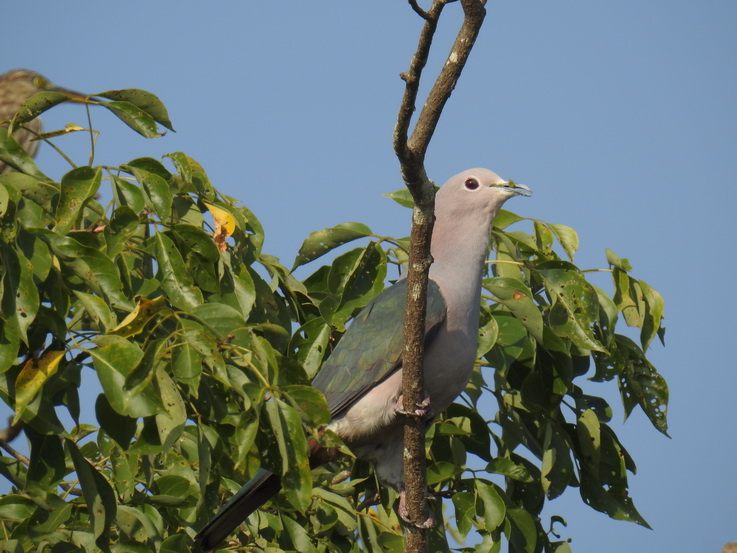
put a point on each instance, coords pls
(620, 116)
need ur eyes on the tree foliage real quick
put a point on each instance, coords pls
(204, 346)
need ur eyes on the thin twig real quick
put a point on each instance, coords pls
(14, 452)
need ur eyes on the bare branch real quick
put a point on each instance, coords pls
(411, 153)
(418, 10)
(14, 453)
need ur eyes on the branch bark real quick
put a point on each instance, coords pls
(411, 151)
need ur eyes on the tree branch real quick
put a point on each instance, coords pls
(411, 151)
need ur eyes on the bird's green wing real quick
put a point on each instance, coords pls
(372, 347)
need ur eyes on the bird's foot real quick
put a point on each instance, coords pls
(429, 522)
(423, 410)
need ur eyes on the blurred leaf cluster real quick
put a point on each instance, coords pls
(204, 346)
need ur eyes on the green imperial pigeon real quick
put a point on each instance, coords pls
(362, 378)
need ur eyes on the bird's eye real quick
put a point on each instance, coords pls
(471, 184)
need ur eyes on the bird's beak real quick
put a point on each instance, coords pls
(515, 188)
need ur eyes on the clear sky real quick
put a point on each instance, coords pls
(621, 116)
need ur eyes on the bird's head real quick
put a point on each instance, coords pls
(476, 190)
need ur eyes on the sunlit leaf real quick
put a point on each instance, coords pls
(491, 505)
(31, 379)
(144, 100)
(320, 242)
(517, 297)
(224, 225)
(137, 319)
(575, 304)
(134, 117)
(77, 186)
(114, 359)
(175, 279)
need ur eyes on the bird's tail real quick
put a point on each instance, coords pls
(249, 498)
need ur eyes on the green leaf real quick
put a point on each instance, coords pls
(320, 242)
(119, 427)
(176, 281)
(557, 466)
(97, 493)
(517, 297)
(20, 300)
(309, 344)
(114, 359)
(133, 523)
(47, 519)
(4, 200)
(364, 280)
(175, 543)
(298, 535)
(31, 188)
(402, 196)
(15, 156)
(16, 507)
(465, 510)
(575, 304)
(96, 269)
(507, 467)
(37, 252)
(170, 423)
(309, 402)
(77, 187)
(154, 185)
(48, 465)
(134, 117)
(97, 309)
(488, 334)
(35, 105)
(289, 446)
(641, 384)
(129, 194)
(567, 237)
(492, 506)
(30, 381)
(505, 218)
(146, 101)
(523, 533)
(589, 439)
(655, 306)
(613, 259)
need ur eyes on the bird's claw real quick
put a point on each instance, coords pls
(429, 522)
(423, 410)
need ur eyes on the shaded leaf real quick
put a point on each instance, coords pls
(290, 449)
(97, 493)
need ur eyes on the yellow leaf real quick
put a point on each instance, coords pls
(32, 377)
(224, 225)
(135, 321)
(71, 127)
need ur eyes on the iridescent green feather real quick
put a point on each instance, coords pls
(372, 347)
